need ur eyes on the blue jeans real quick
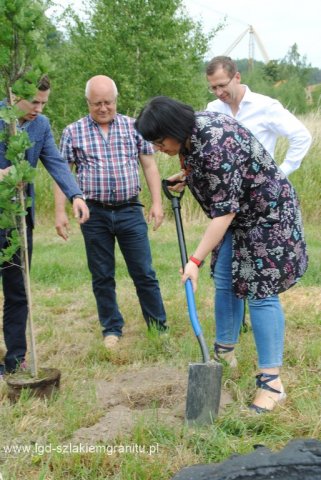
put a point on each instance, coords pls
(266, 314)
(100, 232)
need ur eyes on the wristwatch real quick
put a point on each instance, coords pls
(197, 262)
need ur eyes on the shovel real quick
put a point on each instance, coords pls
(204, 379)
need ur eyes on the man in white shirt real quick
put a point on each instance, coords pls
(263, 115)
(268, 120)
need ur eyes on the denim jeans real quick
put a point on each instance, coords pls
(15, 306)
(100, 232)
(266, 314)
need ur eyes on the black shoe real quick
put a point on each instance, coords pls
(21, 366)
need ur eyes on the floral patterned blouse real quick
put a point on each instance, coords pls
(230, 171)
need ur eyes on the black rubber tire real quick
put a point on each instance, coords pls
(299, 460)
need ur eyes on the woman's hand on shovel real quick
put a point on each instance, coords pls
(177, 182)
(191, 271)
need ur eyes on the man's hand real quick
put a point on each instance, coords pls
(80, 210)
(62, 225)
(81, 213)
(4, 172)
(154, 185)
(156, 212)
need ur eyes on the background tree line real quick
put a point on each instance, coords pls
(148, 47)
(151, 48)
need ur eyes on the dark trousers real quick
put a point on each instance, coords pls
(128, 226)
(15, 307)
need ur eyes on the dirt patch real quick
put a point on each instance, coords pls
(155, 393)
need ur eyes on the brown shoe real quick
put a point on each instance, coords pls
(111, 341)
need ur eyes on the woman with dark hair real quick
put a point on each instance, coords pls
(255, 208)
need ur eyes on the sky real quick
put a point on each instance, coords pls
(279, 24)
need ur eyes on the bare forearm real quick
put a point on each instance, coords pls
(152, 177)
(60, 199)
(213, 235)
(154, 184)
(211, 238)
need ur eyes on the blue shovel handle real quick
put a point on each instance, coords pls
(192, 307)
(175, 200)
(194, 320)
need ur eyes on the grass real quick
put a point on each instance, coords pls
(307, 178)
(68, 338)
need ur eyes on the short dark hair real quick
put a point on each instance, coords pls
(221, 62)
(165, 117)
(44, 83)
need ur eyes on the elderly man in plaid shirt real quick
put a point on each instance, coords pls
(106, 151)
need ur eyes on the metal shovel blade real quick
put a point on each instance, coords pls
(204, 379)
(203, 392)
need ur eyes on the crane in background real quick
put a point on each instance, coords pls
(253, 38)
(210, 12)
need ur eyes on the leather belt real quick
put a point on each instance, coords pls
(116, 205)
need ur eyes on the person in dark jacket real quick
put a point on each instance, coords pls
(15, 308)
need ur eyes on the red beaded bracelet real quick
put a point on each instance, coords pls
(197, 262)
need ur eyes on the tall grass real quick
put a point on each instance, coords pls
(307, 179)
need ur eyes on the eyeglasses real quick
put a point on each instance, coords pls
(107, 103)
(158, 143)
(213, 89)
